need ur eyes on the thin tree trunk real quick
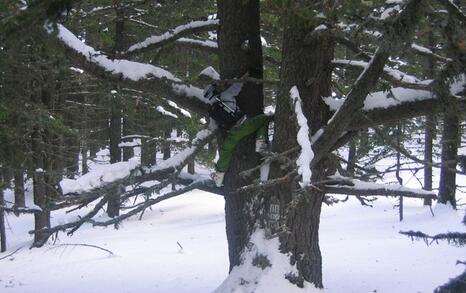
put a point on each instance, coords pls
(148, 153)
(128, 152)
(2, 221)
(428, 149)
(42, 218)
(430, 128)
(191, 167)
(19, 188)
(113, 207)
(450, 140)
(398, 165)
(166, 149)
(351, 157)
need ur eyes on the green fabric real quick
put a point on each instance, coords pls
(256, 124)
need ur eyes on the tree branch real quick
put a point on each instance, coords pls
(403, 28)
(133, 74)
(453, 9)
(169, 37)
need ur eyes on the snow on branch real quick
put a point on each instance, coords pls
(402, 31)
(128, 69)
(179, 109)
(164, 112)
(392, 74)
(427, 52)
(306, 155)
(147, 76)
(453, 9)
(350, 186)
(199, 43)
(384, 99)
(175, 34)
(104, 179)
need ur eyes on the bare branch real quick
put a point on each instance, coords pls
(82, 244)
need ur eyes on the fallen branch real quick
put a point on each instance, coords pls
(10, 254)
(81, 244)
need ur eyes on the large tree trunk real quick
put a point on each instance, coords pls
(240, 53)
(305, 64)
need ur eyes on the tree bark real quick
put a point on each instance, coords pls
(191, 167)
(450, 140)
(41, 219)
(2, 221)
(307, 66)
(240, 53)
(128, 152)
(428, 149)
(19, 188)
(148, 152)
(113, 207)
(166, 150)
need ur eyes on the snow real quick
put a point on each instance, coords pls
(397, 96)
(182, 111)
(421, 49)
(164, 112)
(78, 70)
(361, 248)
(128, 69)
(205, 43)
(396, 74)
(210, 72)
(363, 185)
(305, 157)
(100, 175)
(384, 100)
(321, 27)
(255, 279)
(184, 154)
(131, 70)
(168, 35)
(390, 12)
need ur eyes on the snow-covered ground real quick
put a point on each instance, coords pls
(362, 250)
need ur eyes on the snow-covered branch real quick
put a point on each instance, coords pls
(134, 74)
(305, 156)
(427, 52)
(403, 28)
(351, 186)
(173, 35)
(390, 74)
(453, 9)
(100, 181)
